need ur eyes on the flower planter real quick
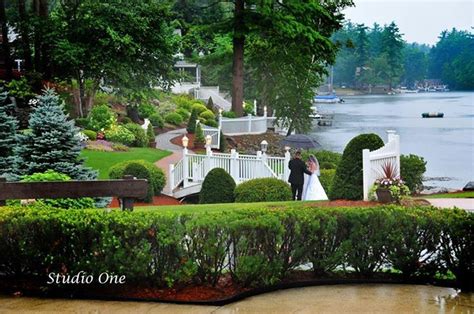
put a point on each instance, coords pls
(384, 196)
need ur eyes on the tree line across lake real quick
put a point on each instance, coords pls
(379, 56)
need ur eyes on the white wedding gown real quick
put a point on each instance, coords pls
(312, 189)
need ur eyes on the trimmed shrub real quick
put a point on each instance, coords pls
(92, 135)
(326, 178)
(64, 203)
(120, 134)
(145, 110)
(141, 169)
(156, 120)
(229, 114)
(348, 178)
(262, 190)
(184, 101)
(200, 108)
(183, 113)
(412, 169)
(218, 187)
(173, 118)
(141, 139)
(207, 115)
(150, 133)
(210, 105)
(211, 123)
(101, 118)
(191, 127)
(199, 138)
(81, 122)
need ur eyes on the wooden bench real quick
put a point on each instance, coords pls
(126, 190)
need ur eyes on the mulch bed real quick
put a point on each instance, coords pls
(223, 293)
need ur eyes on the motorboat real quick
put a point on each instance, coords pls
(327, 99)
(432, 115)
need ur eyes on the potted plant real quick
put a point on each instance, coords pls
(390, 188)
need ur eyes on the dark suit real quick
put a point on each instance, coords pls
(296, 179)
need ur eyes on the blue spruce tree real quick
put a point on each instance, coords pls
(51, 141)
(8, 127)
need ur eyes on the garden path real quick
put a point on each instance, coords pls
(464, 203)
(163, 141)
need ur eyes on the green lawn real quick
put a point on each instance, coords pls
(468, 194)
(219, 207)
(102, 161)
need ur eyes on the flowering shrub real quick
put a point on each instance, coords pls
(120, 134)
(101, 117)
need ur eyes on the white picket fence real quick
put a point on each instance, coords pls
(373, 161)
(192, 168)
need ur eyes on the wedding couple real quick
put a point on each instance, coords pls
(304, 179)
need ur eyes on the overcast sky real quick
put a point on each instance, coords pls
(419, 20)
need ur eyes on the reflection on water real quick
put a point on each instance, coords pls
(323, 299)
(447, 143)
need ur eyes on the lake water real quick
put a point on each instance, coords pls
(447, 144)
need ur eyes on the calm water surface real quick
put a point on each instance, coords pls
(447, 144)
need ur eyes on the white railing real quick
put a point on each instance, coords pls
(372, 162)
(215, 135)
(193, 168)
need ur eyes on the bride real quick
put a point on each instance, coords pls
(312, 189)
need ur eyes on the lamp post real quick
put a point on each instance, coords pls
(208, 144)
(264, 146)
(185, 142)
(286, 171)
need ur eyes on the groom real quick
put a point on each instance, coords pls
(297, 171)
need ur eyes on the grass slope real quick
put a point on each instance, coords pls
(468, 194)
(102, 161)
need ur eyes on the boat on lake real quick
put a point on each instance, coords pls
(327, 99)
(432, 115)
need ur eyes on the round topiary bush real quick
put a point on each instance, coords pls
(412, 169)
(262, 190)
(174, 118)
(348, 183)
(208, 115)
(141, 169)
(218, 187)
(200, 108)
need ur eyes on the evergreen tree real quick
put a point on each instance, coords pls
(8, 127)
(51, 142)
(191, 128)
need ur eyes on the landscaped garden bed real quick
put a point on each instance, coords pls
(219, 253)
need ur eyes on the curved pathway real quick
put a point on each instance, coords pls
(163, 141)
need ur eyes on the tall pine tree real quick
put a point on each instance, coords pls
(51, 142)
(8, 127)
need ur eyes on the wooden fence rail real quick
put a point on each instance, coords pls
(126, 190)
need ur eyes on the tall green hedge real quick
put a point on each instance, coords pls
(264, 242)
(348, 183)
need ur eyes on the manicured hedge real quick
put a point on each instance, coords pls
(262, 190)
(256, 246)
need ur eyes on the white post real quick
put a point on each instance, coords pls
(258, 170)
(171, 178)
(249, 129)
(265, 111)
(208, 159)
(397, 152)
(220, 119)
(391, 134)
(286, 170)
(366, 173)
(255, 107)
(185, 167)
(234, 165)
